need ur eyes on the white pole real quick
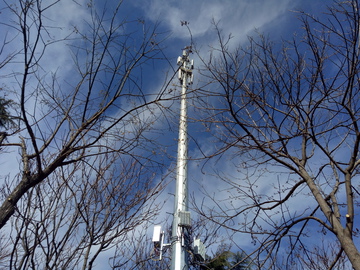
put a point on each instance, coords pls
(179, 255)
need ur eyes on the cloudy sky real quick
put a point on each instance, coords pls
(240, 18)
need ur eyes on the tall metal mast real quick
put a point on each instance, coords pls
(180, 242)
(179, 255)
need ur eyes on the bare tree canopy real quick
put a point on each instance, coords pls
(289, 115)
(83, 136)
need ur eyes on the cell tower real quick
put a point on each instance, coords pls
(180, 240)
(179, 256)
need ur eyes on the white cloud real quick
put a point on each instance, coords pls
(236, 17)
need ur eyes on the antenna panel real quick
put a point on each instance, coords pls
(157, 233)
(199, 249)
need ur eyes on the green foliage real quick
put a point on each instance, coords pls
(229, 260)
(5, 117)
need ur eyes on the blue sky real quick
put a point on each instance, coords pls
(240, 18)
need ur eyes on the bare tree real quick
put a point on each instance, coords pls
(102, 108)
(289, 115)
(68, 223)
(86, 135)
